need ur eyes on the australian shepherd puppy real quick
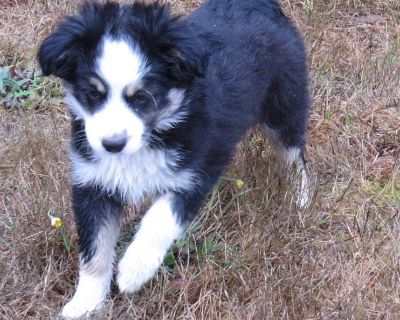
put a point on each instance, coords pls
(157, 104)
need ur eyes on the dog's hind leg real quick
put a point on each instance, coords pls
(291, 159)
(285, 124)
(97, 217)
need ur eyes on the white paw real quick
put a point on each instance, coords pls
(77, 308)
(138, 265)
(303, 194)
(89, 296)
(302, 200)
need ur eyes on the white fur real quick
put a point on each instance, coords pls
(94, 276)
(289, 156)
(146, 172)
(89, 295)
(76, 108)
(120, 65)
(172, 114)
(115, 119)
(158, 230)
(292, 156)
(303, 199)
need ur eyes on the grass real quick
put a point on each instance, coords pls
(250, 254)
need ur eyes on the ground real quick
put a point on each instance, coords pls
(251, 254)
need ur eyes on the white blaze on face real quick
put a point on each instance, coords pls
(119, 65)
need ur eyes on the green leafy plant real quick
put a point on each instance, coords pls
(16, 92)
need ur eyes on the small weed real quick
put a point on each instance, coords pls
(384, 190)
(209, 248)
(57, 224)
(324, 221)
(349, 122)
(328, 114)
(309, 7)
(193, 250)
(169, 261)
(16, 91)
(393, 56)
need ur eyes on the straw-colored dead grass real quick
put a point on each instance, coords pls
(251, 255)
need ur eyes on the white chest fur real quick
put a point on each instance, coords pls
(145, 173)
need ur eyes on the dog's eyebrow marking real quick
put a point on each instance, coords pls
(172, 115)
(132, 88)
(97, 84)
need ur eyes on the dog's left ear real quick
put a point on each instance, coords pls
(172, 41)
(185, 58)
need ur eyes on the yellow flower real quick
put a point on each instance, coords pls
(239, 183)
(55, 222)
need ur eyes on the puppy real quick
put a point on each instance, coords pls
(157, 106)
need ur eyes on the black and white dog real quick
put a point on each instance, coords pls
(158, 103)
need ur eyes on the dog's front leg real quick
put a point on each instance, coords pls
(97, 218)
(164, 223)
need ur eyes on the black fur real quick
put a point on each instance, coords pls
(93, 208)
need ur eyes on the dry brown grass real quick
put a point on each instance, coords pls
(251, 255)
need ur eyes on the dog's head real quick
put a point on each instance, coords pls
(125, 70)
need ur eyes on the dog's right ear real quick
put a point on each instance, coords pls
(59, 52)
(75, 36)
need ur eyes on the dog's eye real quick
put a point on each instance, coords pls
(142, 100)
(94, 94)
(96, 89)
(140, 96)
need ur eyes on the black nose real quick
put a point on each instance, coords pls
(114, 143)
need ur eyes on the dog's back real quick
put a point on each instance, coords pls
(256, 67)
